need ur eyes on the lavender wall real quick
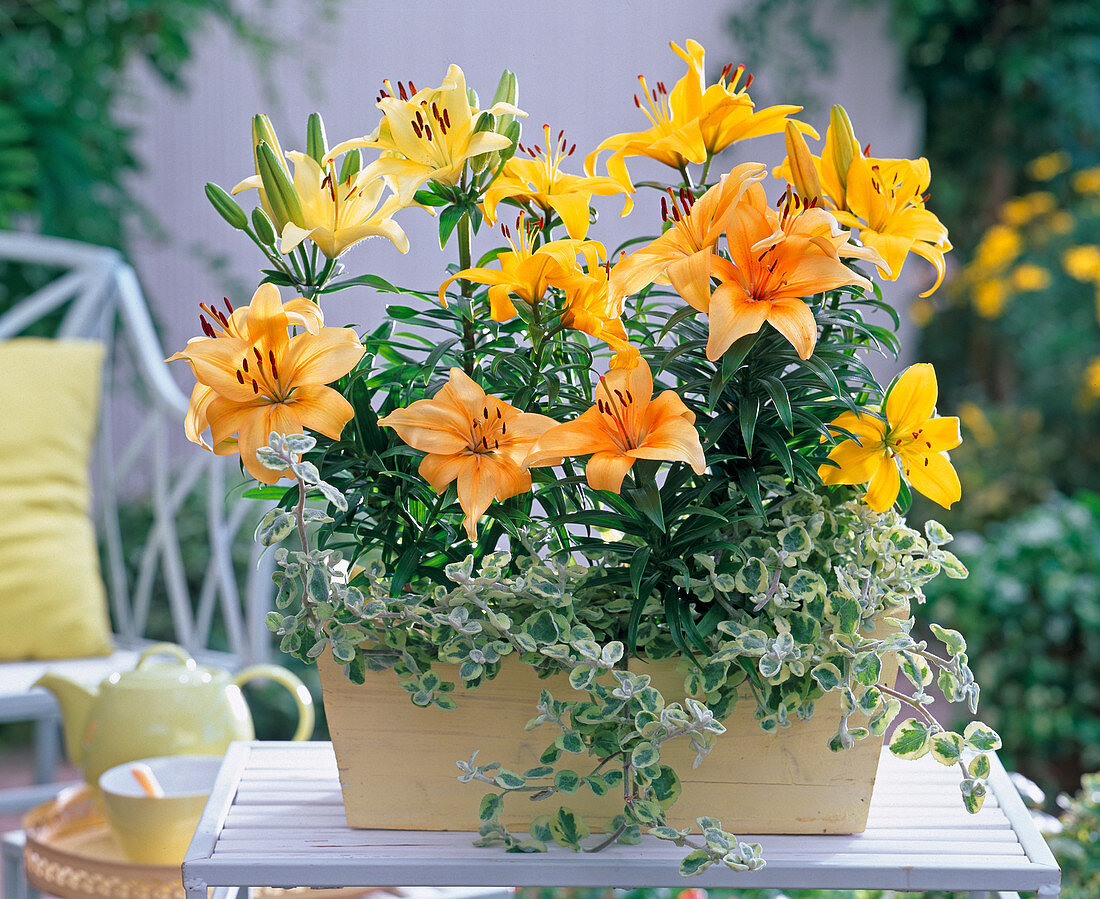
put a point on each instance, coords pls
(576, 61)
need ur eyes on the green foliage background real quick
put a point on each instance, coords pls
(1000, 82)
(65, 65)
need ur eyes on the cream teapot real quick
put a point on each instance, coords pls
(161, 707)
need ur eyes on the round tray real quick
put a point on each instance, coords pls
(71, 853)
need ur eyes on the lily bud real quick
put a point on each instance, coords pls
(280, 193)
(226, 206)
(804, 175)
(845, 147)
(485, 122)
(316, 145)
(352, 165)
(512, 132)
(264, 133)
(507, 92)
(261, 224)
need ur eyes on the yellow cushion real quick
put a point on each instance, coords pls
(52, 601)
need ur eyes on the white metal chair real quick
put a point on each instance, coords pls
(98, 296)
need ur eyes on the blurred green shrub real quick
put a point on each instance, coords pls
(1030, 611)
(1077, 847)
(66, 148)
(1020, 332)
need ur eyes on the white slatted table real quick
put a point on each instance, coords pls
(276, 818)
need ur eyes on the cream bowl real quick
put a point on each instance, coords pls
(157, 831)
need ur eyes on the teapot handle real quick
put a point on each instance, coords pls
(166, 649)
(284, 678)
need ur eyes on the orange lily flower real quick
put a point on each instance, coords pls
(910, 435)
(429, 135)
(625, 424)
(590, 306)
(539, 180)
(694, 121)
(472, 437)
(523, 272)
(682, 255)
(254, 378)
(776, 258)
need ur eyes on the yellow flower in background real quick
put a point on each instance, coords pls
(1092, 379)
(922, 311)
(692, 122)
(336, 215)
(1021, 210)
(540, 181)
(682, 255)
(1087, 181)
(427, 135)
(1082, 262)
(1061, 222)
(471, 437)
(998, 249)
(1030, 277)
(524, 272)
(625, 424)
(989, 297)
(254, 378)
(1043, 168)
(977, 423)
(910, 437)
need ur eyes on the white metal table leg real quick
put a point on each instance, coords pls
(14, 878)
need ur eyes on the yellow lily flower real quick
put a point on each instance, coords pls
(882, 199)
(776, 258)
(589, 304)
(539, 180)
(336, 215)
(682, 255)
(885, 203)
(473, 437)
(524, 272)
(624, 425)
(910, 436)
(693, 122)
(428, 135)
(258, 379)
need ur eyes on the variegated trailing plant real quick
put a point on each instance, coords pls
(716, 520)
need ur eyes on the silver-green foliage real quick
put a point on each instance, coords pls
(819, 598)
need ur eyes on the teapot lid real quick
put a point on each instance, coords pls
(182, 670)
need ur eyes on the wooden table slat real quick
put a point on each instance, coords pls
(284, 823)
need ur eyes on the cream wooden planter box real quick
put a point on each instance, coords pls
(397, 761)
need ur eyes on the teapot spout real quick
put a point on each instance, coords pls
(75, 700)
